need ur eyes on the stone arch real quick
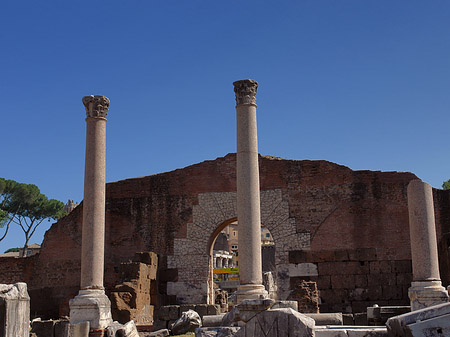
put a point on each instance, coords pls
(215, 210)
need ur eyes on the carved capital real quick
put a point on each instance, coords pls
(245, 91)
(96, 106)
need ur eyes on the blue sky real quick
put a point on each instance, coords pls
(361, 83)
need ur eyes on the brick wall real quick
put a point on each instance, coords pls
(350, 280)
(307, 205)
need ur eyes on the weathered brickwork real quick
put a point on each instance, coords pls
(314, 206)
(350, 280)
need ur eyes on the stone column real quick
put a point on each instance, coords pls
(91, 304)
(426, 289)
(248, 199)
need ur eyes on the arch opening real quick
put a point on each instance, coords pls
(223, 252)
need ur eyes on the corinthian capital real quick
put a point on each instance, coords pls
(96, 105)
(245, 91)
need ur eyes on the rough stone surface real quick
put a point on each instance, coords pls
(351, 332)
(158, 333)
(307, 296)
(327, 319)
(278, 322)
(216, 331)
(132, 299)
(377, 315)
(427, 319)
(42, 328)
(212, 320)
(188, 322)
(14, 310)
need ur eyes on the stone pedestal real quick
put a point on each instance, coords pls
(91, 304)
(426, 288)
(426, 294)
(248, 198)
(14, 310)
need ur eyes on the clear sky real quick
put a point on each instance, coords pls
(361, 83)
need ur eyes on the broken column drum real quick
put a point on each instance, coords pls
(248, 197)
(426, 289)
(91, 304)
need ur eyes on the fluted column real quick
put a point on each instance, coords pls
(248, 198)
(91, 304)
(426, 289)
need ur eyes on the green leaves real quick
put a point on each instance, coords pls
(26, 206)
(446, 185)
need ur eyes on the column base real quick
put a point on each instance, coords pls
(93, 306)
(425, 294)
(250, 292)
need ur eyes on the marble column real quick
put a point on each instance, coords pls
(91, 304)
(248, 199)
(426, 289)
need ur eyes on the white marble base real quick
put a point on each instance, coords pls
(91, 306)
(250, 292)
(425, 294)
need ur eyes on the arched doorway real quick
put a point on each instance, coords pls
(192, 249)
(224, 252)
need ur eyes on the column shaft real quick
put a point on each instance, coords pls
(248, 198)
(426, 289)
(422, 232)
(93, 235)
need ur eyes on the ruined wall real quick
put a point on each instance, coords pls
(311, 206)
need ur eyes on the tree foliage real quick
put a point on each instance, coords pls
(25, 206)
(446, 185)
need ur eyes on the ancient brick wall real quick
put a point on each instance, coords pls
(350, 280)
(311, 206)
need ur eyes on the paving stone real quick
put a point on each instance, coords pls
(278, 322)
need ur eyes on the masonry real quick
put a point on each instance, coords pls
(347, 230)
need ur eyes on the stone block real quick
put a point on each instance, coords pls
(303, 269)
(148, 258)
(299, 256)
(79, 329)
(380, 267)
(188, 322)
(213, 309)
(401, 325)
(343, 281)
(327, 318)
(216, 331)
(278, 322)
(367, 332)
(158, 333)
(62, 328)
(347, 319)
(285, 304)
(186, 307)
(401, 266)
(327, 332)
(14, 310)
(202, 309)
(341, 255)
(212, 320)
(43, 328)
(360, 318)
(174, 312)
(362, 254)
